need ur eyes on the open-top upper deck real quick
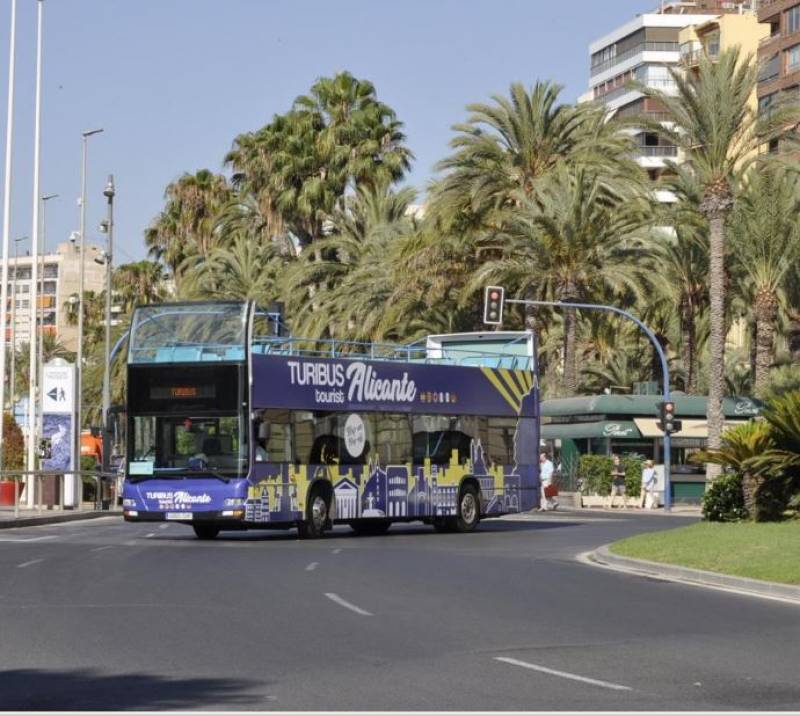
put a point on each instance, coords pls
(228, 331)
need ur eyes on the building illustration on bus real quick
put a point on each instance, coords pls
(234, 426)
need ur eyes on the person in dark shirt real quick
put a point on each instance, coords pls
(617, 482)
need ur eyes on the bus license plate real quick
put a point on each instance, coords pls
(179, 515)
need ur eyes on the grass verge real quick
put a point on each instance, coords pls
(768, 551)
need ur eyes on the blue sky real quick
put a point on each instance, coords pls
(172, 82)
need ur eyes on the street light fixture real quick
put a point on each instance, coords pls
(81, 278)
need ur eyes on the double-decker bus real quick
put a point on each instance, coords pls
(233, 426)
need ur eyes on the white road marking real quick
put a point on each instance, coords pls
(336, 551)
(563, 674)
(352, 607)
(152, 534)
(163, 527)
(311, 567)
(28, 564)
(26, 539)
(100, 549)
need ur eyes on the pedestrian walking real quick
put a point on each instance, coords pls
(617, 482)
(546, 470)
(649, 481)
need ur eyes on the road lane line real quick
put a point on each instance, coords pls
(336, 551)
(311, 567)
(563, 674)
(28, 564)
(352, 607)
(163, 527)
(26, 539)
(100, 549)
(148, 536)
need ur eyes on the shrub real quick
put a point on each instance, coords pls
(595, 471)
(13, 444)
(724, 499)
(632, 464)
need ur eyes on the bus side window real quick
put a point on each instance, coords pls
(324, 451)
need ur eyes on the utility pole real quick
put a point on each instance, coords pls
(40, 361)
(13, 379)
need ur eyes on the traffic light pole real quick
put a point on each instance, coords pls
(664, 371)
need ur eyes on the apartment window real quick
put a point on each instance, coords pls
(23, 304)
(50, 288)
(24, 272)
(792, 19)
(766, 101)
(711, 44)
(51, 270)
(792, 58)
(769, 69)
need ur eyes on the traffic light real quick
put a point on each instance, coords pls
(667, 420)
(493, 305)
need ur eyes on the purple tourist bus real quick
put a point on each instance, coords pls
(233, 426)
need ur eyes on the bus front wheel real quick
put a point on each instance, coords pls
(206, 531)
(317, 516)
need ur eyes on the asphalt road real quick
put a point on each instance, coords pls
(104, 615)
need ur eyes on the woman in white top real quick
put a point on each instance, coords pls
(649, 480)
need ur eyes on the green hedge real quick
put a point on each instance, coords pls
(595, 471)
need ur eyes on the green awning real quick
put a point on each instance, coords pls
(600, 429)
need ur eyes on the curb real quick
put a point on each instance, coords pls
(53, 519)
(603, 557)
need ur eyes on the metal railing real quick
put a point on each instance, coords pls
(631, 52)
(44, 490)
(416, 352)
(659, 151)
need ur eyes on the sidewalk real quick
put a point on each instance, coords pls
(603, 557)
(31, 517)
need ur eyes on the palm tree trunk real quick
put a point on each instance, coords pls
(766, 310)
(716, 290)
(688, 345)
(749, 491)
(570, 385)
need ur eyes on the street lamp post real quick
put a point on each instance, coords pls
(32, 371)
(7, 213)
(109, 225)
(81, 277)
(40, 361)
(661, 356)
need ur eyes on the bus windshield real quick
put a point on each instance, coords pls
(184, 333)
(183, 445)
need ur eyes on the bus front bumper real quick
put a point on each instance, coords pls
(233, 516)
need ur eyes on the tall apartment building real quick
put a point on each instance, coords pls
(59, 280)
(644, 49)
(779, 55)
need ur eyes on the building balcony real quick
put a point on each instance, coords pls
(665, 85)
(632, 52)
(662, 150)
(692, 59)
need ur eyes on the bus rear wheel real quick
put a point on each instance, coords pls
(206, 531)
(469, 510)
(317, 516)
(370, 527)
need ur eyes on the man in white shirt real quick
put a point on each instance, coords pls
(546, 479)
(649, 483)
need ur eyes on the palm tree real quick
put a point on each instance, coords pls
(242, 270)
(576, 239)
(713, 122)
(139, 282)
(504, 149)
(765, 245)
(186, 226)
(350, 267)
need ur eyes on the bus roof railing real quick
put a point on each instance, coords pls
(416, 352)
